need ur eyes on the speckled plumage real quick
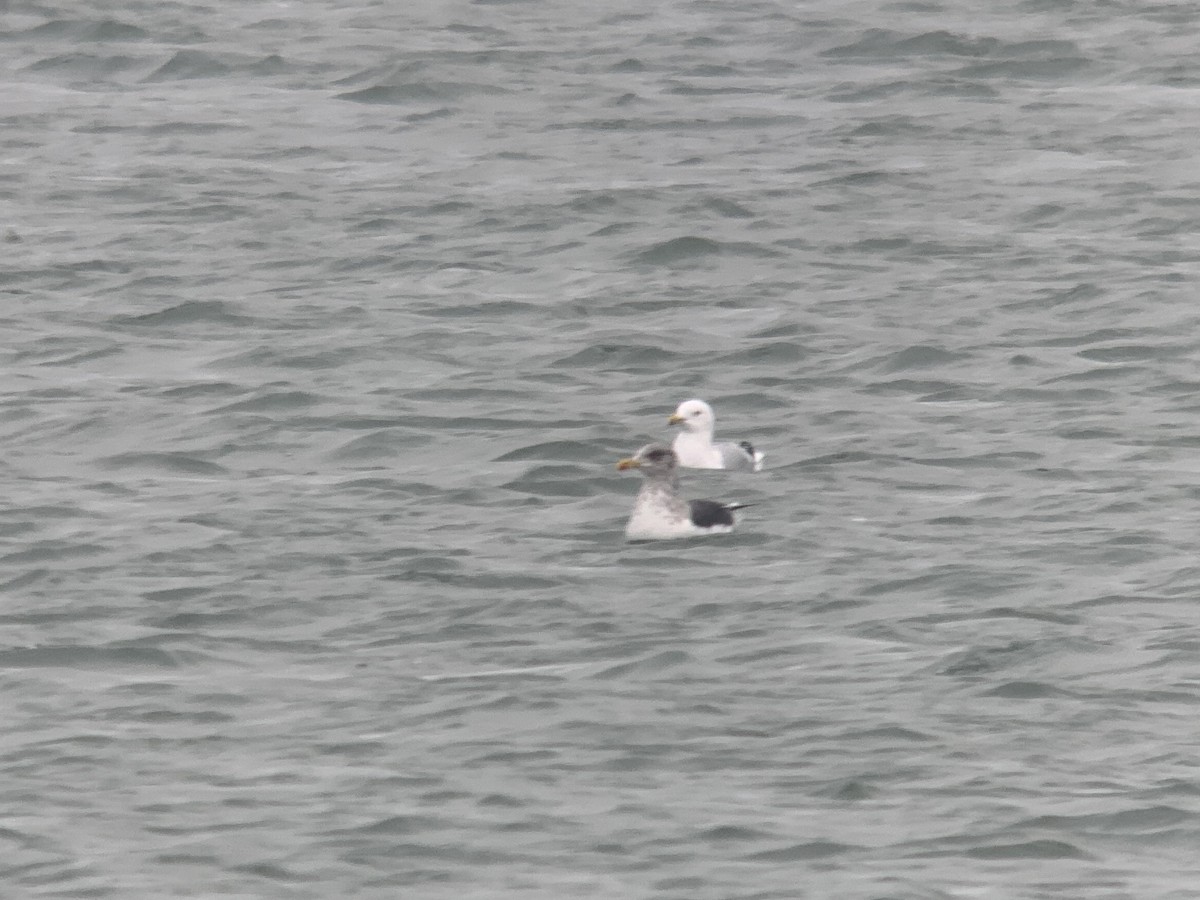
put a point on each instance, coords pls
(659, 513)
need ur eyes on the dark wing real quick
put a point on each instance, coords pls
(707, 513)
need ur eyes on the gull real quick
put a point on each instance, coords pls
(659, 513)
(694, 444)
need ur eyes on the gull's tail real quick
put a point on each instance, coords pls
(753, 454)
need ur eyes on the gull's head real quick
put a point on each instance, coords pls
(653, 460)
(693, 415)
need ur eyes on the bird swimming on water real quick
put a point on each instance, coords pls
(694, 444)
(659, 513)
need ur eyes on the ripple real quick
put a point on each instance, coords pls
(1041, 849)
(802, 852)
(172, 463)
(188, 313)
(657, 662)
(82, 657)
(689, 248)
(187, 64)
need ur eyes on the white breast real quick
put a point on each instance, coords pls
(695, 451)
(653, 520)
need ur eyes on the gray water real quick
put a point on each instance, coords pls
(324, 325)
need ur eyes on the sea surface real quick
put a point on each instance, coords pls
(324, 323)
